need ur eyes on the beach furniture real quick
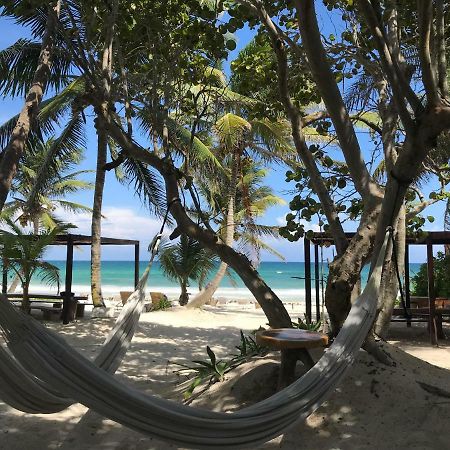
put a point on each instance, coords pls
(124, 295)
(293, 344)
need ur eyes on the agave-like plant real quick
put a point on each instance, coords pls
(23, 252)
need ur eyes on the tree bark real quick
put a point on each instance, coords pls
(389, 281)
(184, 296)
(96, 225)
(206, 294)
(10, 157)
(102, 139)
(25, 298)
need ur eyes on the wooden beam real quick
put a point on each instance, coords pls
(4, 278)
(136, 264)
(407, 287)
(307, 247)
(68, 281)
(317, 280)
(431, 292)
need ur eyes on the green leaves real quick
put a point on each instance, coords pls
(231, 130)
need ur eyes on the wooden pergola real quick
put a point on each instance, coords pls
(428, 238)
(71, 241)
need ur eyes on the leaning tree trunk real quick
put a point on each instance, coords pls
(11, 154)
(96, 225)
(206, 294)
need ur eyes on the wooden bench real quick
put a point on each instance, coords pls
(419, 311)
(41, 302)
(294, 345)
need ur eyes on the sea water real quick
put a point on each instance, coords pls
(285, 278)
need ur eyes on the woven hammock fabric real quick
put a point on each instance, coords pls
(47, 358)
(20, 389)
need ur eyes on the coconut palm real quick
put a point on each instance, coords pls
(22, 252)
(186, 261)
(36, 198)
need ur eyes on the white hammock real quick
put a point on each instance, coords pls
(47, 357)
(23, 391)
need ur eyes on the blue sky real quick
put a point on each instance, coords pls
(124, 214)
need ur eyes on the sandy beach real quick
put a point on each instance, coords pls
(375, 407)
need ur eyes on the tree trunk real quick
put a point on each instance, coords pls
(102, 144)
(389, 283)
(206, 294)
(96, 226)
(184, 296)
(344, 271)
(272, 306)
(25, 298)
(11, 154)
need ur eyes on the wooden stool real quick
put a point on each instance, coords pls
(293, 344)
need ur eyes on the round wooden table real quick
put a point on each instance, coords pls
(293, 344)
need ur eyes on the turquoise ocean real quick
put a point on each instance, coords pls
(119, 275)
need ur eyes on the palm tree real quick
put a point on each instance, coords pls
(35, 198)
(184, 261)
(22, 252)
(238, 137)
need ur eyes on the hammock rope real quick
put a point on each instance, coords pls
(48, 358)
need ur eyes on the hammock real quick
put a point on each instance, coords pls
(23, 391)
(48, 358)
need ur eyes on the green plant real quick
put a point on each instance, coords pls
(441, 277)
(186, 260)
(212, 370)
(306, 324)
(22, 253)
(162, 305)
(248, 347)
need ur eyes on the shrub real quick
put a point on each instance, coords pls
(163, 304)
(441, 278)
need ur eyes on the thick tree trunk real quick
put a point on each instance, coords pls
(9, 158)
(25, 299)
(184, 296)
(344, 272)
(96, 226)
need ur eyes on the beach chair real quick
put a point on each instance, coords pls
(124, 295)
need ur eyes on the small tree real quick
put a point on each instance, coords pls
(23, 252)
(184, 261)
(441, 277)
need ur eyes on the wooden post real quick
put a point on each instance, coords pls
(68, 283)
(407, 287)
(307, 246)
(317, 280)
(431, 292)
(4, 278)
(136, 264)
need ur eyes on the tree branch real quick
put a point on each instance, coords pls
(440, 45)
(425, 14)
(400, 88)
(327, 86)
(293, 114)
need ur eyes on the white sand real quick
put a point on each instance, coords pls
(375, 407)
